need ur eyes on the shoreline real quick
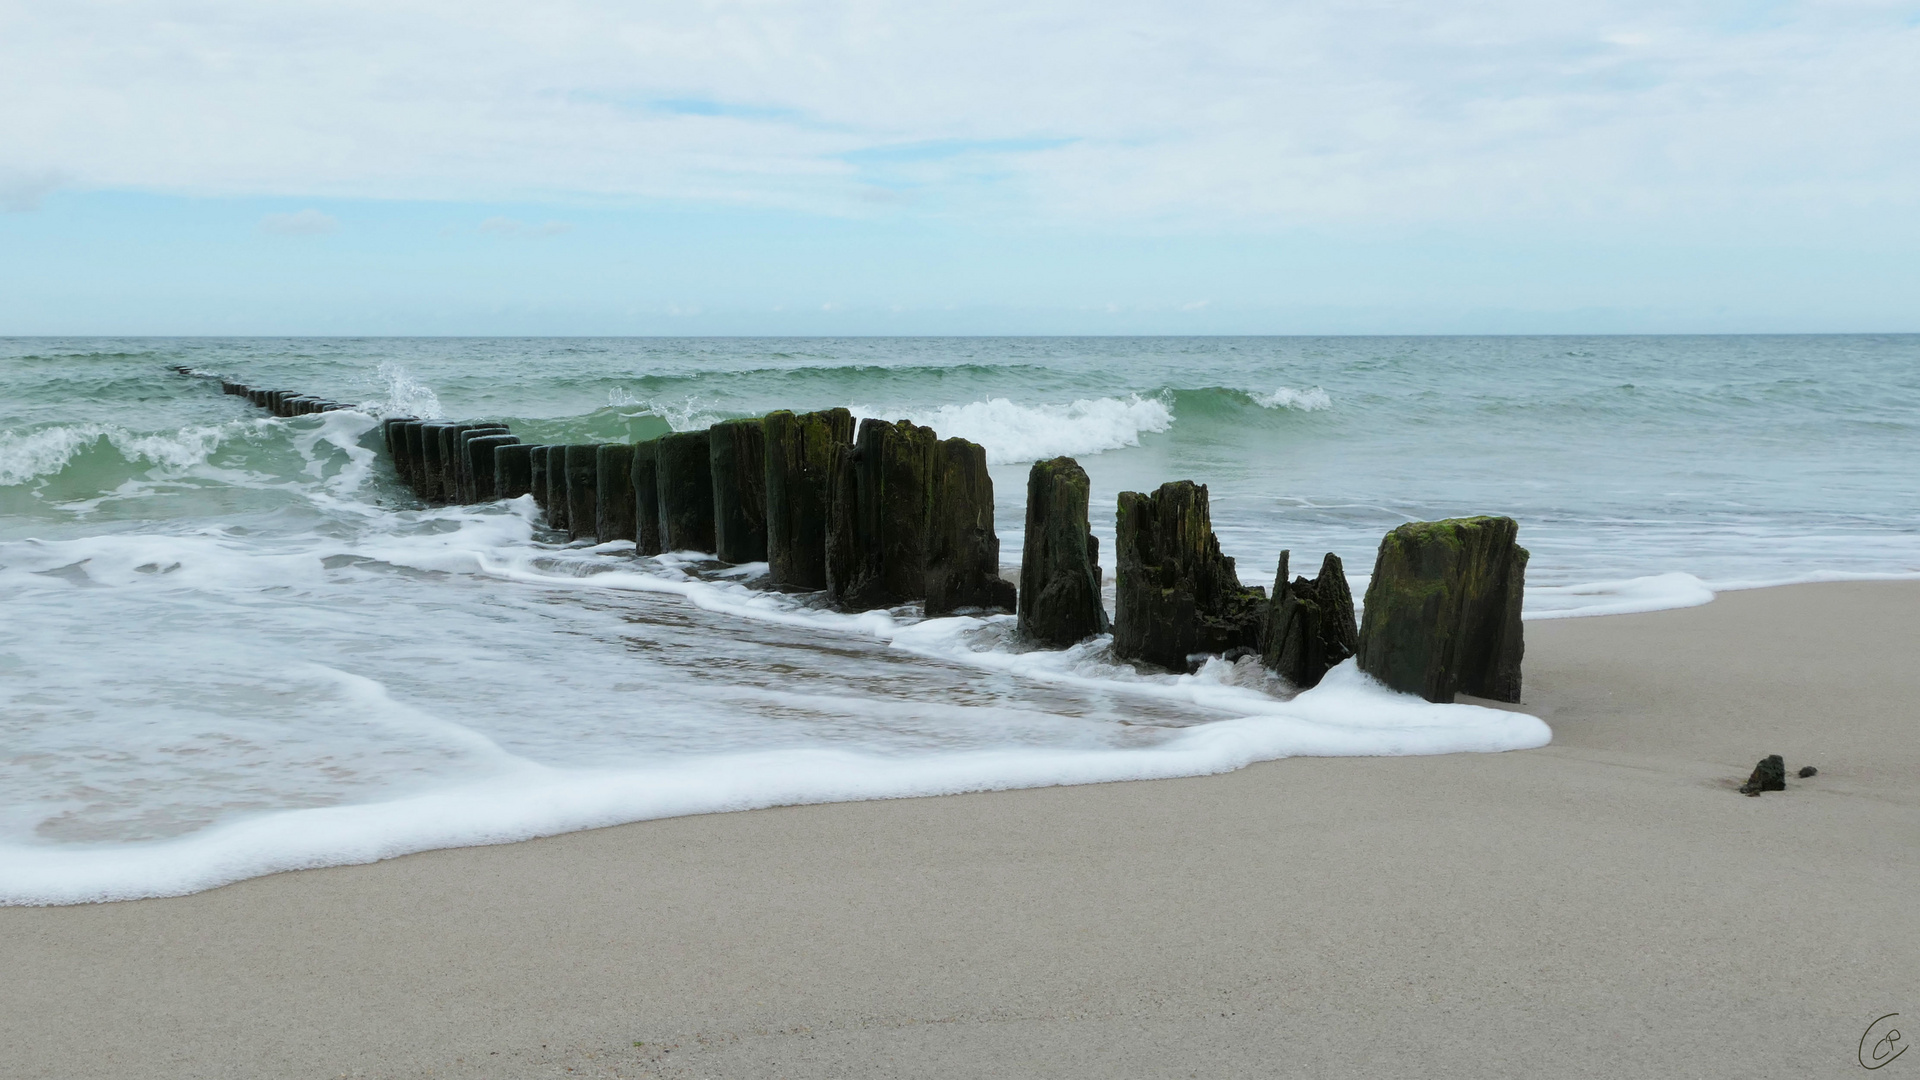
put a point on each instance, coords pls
(1604, 905)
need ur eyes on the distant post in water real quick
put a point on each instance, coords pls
(801, 455)
(482, 453)
(512, 470)
(646, 499)
(1060, 576)
(583, 478)
(557, 487)
(614, 490)
(737, 457)
(467, 474)
(1442, 615)
(683, 470)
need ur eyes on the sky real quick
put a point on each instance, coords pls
(583, 167)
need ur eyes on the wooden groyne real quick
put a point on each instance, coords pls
(890, 513)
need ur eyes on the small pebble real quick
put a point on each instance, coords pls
(1807, 770)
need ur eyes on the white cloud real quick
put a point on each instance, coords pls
(1203, 111)
(300, 223)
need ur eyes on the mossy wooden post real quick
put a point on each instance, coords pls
(483, 455)
(683, 474)
(453, 455)
(877, 535)
(1060, 563)
(646, 499)
(801, 452)
(615, 492)
(1310, 624)
(1176, 595)
(400, 448)
(512, 470)
(538, 478)
(583, 479)
(963, 551)
(432, 462)
(737, 458)
(417, 450)
(1443, 609)
(557, 487)
(467, 474)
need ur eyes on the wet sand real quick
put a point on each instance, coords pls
(1607, 906)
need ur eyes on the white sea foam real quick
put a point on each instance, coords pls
(1312, 399)
(406, 395)
(1013, 433)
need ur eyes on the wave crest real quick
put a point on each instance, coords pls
(28, 456)
(1013, 434)
(1312, 399)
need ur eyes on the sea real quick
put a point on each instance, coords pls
(234, 645)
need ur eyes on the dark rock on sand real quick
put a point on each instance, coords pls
(963, 551)
(1060, 563)
(1177, 596)
(1808, 771)
(1443, 610)
(683, 475)
(801, 455)
(737, 455)
(1769, 775)
(1310, 624)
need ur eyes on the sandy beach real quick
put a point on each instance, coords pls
(1607, 906)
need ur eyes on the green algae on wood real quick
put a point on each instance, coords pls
(737, 461)
(683, 477)
(1443, 609)
(963, 551)
(802, 452)
(1176, 596)
(1310, 624)
(1059, 601)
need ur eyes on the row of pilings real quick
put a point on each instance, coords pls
(885, 514)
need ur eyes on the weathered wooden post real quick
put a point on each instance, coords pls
(1060, 564)
(683, 471)
(512, 470)
(963, 551)
(1443, 609)
(397, 447)
(877, 538)
(646, 499)
(614, 486)
(583, 478)
(801, 455)
(482, 454)
(1310, 626)
(417, 449)
(433, 458)
(540, 472)
(467, 478)
(1176, 596)
(738, 462)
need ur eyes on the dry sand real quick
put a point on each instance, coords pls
(1607, 906)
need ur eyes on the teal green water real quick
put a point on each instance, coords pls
(235, 644)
